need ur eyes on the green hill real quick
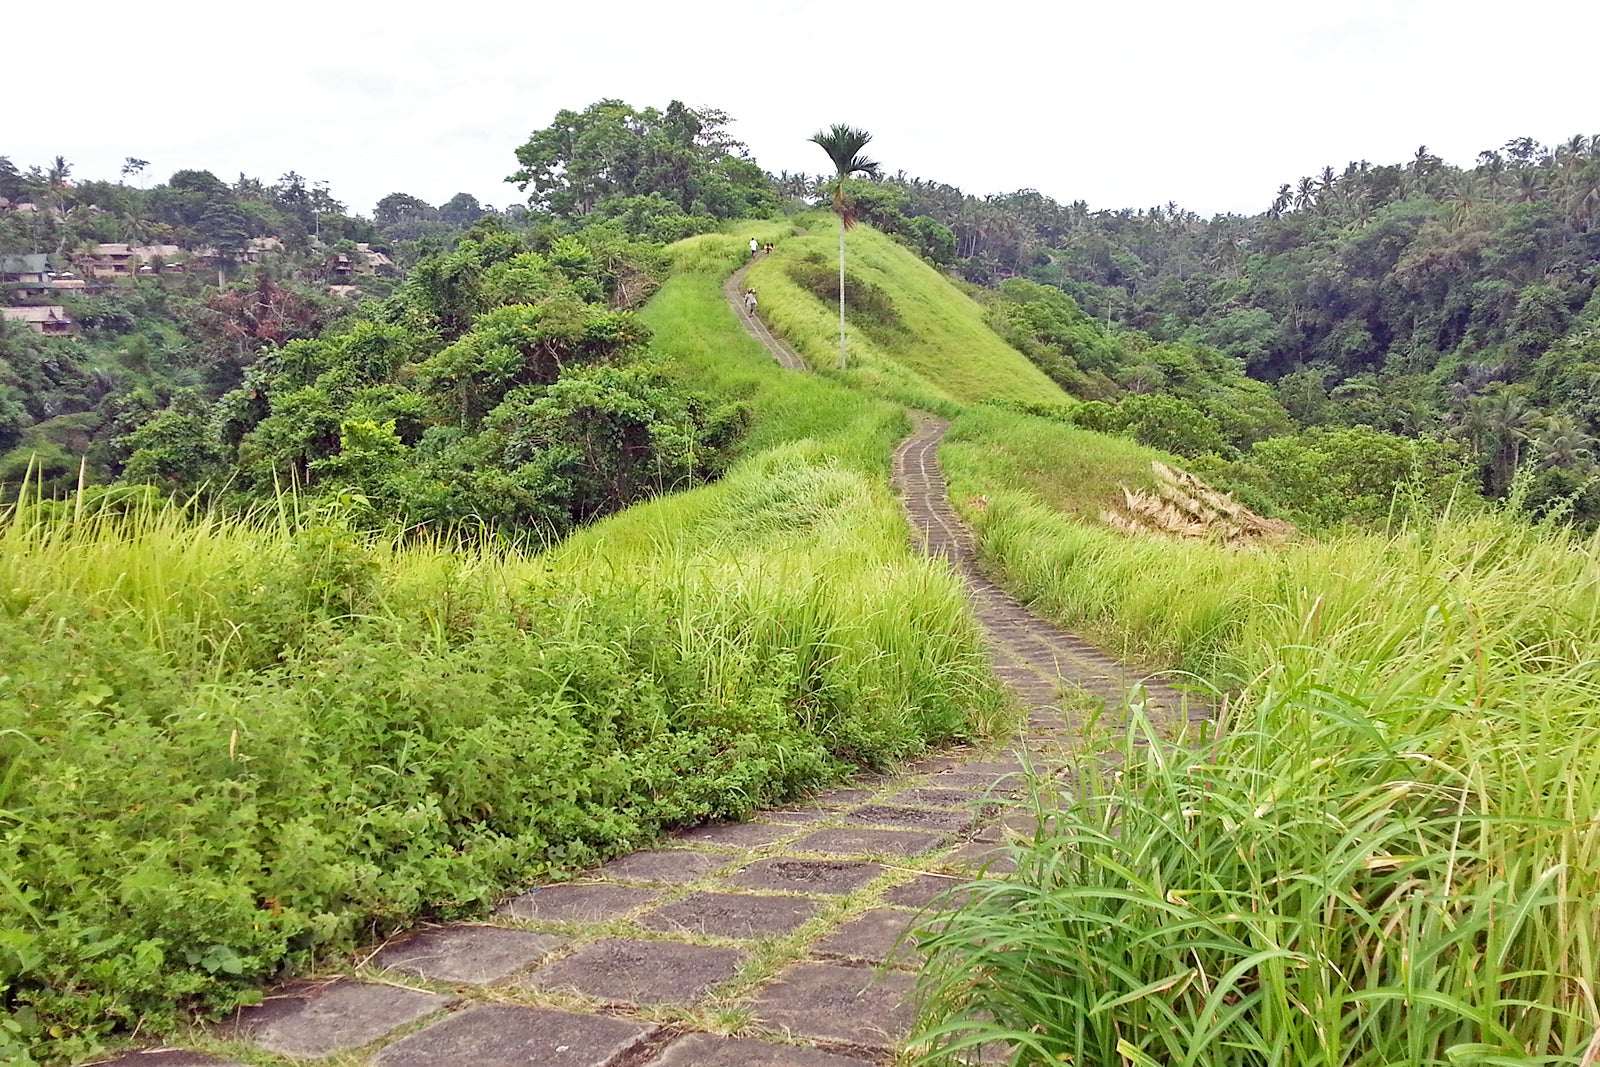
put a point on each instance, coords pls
(911, 334)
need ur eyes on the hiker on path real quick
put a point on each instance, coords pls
(754, 247)
(750, 301)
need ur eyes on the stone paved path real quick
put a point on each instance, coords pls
(781, 350)
(1040, 662)
(781, 942)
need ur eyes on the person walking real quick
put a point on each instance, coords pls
(755, 247)
(750, 301)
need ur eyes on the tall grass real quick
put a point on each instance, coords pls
(1391, 852)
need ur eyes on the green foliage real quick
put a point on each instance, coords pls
(867, 304)
(1169, 423)
(175, 449)
(450, 406)
(610, 151)
(1326, 476)
(1208, 404)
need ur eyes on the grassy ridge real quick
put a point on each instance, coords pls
(923, 343)
(227, 748)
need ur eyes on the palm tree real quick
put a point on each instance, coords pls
(1499, 422)
(1561, 443)
(843, 145)
(1281, 204)
(1305, 196)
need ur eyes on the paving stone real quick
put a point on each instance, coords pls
(740, 835)
(995, 767)
(576, 902)
(853, 841)
(933, 764)
(920, 818)
(806, 876)
(707, 1050)
(875, 936)
(838, 798)
(1015, 784)
(1025, 823)
(1046, 721)
(169, 1058)
(981, 855)
(832, 1002)
(315, 1021)
(929, 890)
(503, 1035)
(993, 833)
(796, 816)
(736, 915)
(667, 866)
(468, 955)
(623, 971)
(935, 797)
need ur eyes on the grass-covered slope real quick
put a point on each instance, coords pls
(228, 747)
(911, 334)
(1388, 855)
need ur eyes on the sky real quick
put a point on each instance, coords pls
(1121, 104)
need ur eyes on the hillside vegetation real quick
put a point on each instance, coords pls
(337, 690)
(1385, 851)
(235, 745)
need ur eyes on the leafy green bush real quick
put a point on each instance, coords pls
(227, 748)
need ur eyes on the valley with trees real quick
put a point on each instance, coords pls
(357, 572)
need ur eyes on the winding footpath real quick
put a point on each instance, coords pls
(786, 932)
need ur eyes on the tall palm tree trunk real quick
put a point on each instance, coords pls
(842, 360)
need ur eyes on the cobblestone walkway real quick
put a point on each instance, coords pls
(780, 942)
(1040, 662)
(780, 349)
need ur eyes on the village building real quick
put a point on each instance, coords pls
(365, 261)
(376, 261)
(109, 260)
(31, 269)
(260, 248)
(48, 319)
(158, 259)
(119, 260)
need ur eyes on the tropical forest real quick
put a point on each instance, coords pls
(698, 614)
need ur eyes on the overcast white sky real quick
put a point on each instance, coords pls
(1122, 104)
